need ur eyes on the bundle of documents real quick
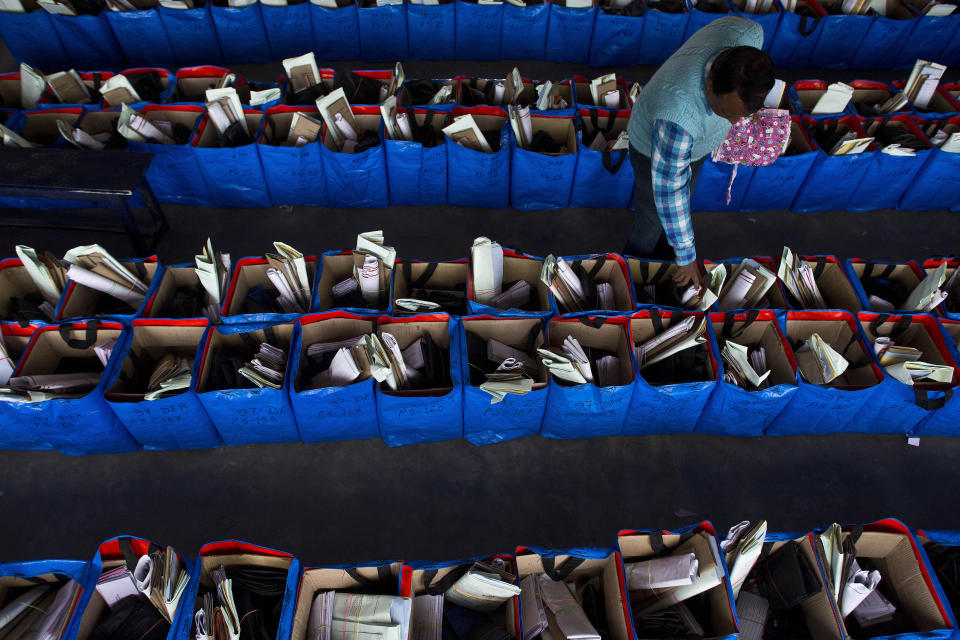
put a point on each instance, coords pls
(321, 616)
(40, 387)
(746, 286)
(397, 126)
(225, 113)
(427, 618)
(922, 84)
(604, 91)
(548, 96)
(894, 103)
(859, 585)
(47, 272)
(302, 72)
(159, 576)
(818, 362)
(516, 296)
(135, 127)
(40, 613)
(498, 368)
(743, 550)
(758, 6)
(371, 262)
(752, 613)
(171, 375)
(104, 350)
(746, 367)
(81, 139)
(522, 125)
(904, 364)
(935, 9)
(288, 275)
(69, 87)
(509, 378)
(342, 125)
(483, 588)
(568, 618)
(849, 144)
(531, 607)
(830, 545)
(421, 365)
(465, 132)
(266, 369)
(349, 363)
(370, 617)
(93, 267)
(710, 573)
(704, 296)
(661, 573)
(117, 90)
(601, 143)
(834, 100)
(797, 276)
(946, 138)
(303, 130)
(213, 271)
(564, 284)
(685, 334)
(486, 261)
(931, 292)
(874, 609)
(568, 363)
(224, 617)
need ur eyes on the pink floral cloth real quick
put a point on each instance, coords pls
(755, 141)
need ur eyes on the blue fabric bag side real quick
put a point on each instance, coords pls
(827, 185)
(898, 408)
(294, 175)
(513, 417)
(89, 41)
(289, 29)
(540, 181)
(796, 37)
(937, 183)
(770, 22)
(890, 176)
(670, 408)
(336, 32)
(735, 411)
(699, 19)
(477, 179)
(417, 175)
(79, 571)
(478, 29)
(78, 426)
(946, 421)
(951, 52)
(946, 538)
(177, 422)
(192, 35)
(568, 33)
(775, 186)
(14, 434)
(246, 416)
(174, 174)
(616, 40)
(883, 42)
(32, 38)
(710, 193)
(383, 32)
(602, 178)
(821, 410)
(415, 419)
(234, 175)
(930, 38)
(241, 34)
(142, 37)
(431, 30)
(357, 180)
(586, 410)
(840, 38)
(524, 34)
(331, 413)
(662, 35)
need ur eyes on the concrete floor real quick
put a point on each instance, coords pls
(355, 501)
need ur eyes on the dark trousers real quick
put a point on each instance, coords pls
(647, 238)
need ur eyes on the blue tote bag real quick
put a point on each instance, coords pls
(417, 174)
(890, 176)
(248, 273)
(174, 175)
(906, 274)
(524, 34)
(770, 21)
(518, 266)
(662, 35)
(32, 38)
(587, 410)
(383, 32)
(539, 180)
(616, 39)
(79, 301)
(241, 33)
(289, 29)
(357, 180)
(827, 185)
(797, 33)
(930, 38)
(337, 412)
(478, 30)
(775, 186)
(142, 37)
(431, 30)
(602, 178)
(840, 38)
(937, 183)
(336, 266)
(234, 175)
(336, 32)
(710, 192)
(569, 32)
(15, 435)
(733, 410)
(699, 19)
(475, 178)
(822, 409)
(89, 41)
(674, 407)
(74, 426)
(245, 415)
(39, 572)
(516, 416)
(294, 175)
(192, 35)
(433, 415)
(946, 421)
(882, 44)
(173, 422)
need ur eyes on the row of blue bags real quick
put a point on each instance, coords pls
(814, 34)
(915, 568)
(394, 172)
(693, 397)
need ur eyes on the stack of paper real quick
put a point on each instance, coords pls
(160, 576)
(531, 606)
(904, 364)
(92, 266)
(427, 618)
(740, 369)
(81, 139)
(742, 554)
(69, 87)
(834, 100)
(680, 335)
(516, 297)
(486, 260)
(548, 96)
(831, 542)
(266, 369)
(133, 126)
(225, 112)
(922, 83)
(752, 612)
(465, 132)
(849, 144)
(483, 588)
(47, 272)
(225, 616)
(371, 260)
(341, 124)
(396, 124)
(875, 609)
(604, 91)
(818, 362)
(710, 573)
(661, 573)
(103, 350)
(370, 617)
(32, 85)
(213, 271)
(303, 130)
(704, 296)
(797, 277)
(859, 585)
(117, 90)
(171, 375)
(774, 97)
(568, 616)
(43, 386)
(509, 378)
(288, 275)
(936, 9)
(11, 139)
(746, 286)
(894, 103)
(557, 274)
(302, 72)
(350, 363)
(601, 143)
(321, 616)
(931, 292)
(568, 363)
(522, 125)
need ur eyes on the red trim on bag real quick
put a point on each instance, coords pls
(423, 317)
(73, 110)
(480, 110)
(203, 71)
(810, 85)
(172, 107)
(376, 74)
(913, 264)
(14, 329)
(871, 85)
(331, 315)
(111, 548)
(56, 327)
(7, 263)
(237, 547)
(163, 73)
(13, 75)
(171, 322)
(929, 323)
(406, 581)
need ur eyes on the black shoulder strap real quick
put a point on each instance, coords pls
(657, 319)
(804, 29)
(924, 401)
(535, 332)
(597, 265)
(899, 327)
(76, 343)
(611, 166)
(594, 322)
(270, 335)
(424, 277)
(818, 270)
(658, 276)
(886, 273)
(383, 576)
(562, 572)
(730, 318)
(441, 586)
(656, 543)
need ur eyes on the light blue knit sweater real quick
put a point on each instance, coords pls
(677, 91)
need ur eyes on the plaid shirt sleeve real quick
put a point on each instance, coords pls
(670, 170)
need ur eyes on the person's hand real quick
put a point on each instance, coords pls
(687, 273)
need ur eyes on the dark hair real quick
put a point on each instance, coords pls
(746, 70)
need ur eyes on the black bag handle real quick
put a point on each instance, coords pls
(535, 331)
(899, 327)
(383, 575)
(270, 335)
(597, 265)
(886, 273)
(658, 276)
(558, 574)
(656, 543)
(924, 401)
(77, 343)
(594, 322)
(250, 341)
(423, 278)
(821, 265)
(802, 27)
(608, 163)
(657, 319)
(730, 318)
(129, 556)
(445, 582)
